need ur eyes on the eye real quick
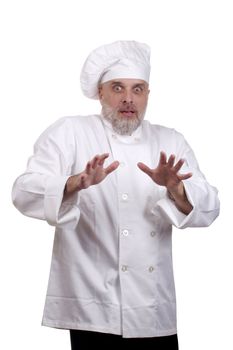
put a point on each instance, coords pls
(117, 88)
(138, 89)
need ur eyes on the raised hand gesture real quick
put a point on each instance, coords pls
(167, 174)
(93, 174)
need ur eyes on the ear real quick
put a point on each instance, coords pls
(100, 92)
(148, 90)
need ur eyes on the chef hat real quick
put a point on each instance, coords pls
(118, 60)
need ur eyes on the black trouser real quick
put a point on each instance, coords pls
(81, 340)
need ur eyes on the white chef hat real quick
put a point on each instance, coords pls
(118, 60)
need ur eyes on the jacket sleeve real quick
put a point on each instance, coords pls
(202, 196)
(38, 193)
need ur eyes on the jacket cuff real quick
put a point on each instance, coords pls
(59, 211)
(168, 209)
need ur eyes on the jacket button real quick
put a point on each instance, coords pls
(151, 269)
(124, 268)
(125, 232)
(153, 233)
(124, 196)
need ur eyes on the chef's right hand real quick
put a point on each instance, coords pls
(93, 174)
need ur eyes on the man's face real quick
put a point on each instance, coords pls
(124, 103)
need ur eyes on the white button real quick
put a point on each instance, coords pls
(151, 269)
(124, 268)
(124, 196)
(153, 233)
(125, 232)
(122, 164)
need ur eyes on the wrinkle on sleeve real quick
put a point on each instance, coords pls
(38, 193)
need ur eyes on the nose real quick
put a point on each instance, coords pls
(128, 97)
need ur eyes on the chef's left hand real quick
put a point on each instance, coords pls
(167, 174)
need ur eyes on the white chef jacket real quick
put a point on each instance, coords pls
(111, 268)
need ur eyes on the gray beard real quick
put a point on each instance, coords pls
(122, 126)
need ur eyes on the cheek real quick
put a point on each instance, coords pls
(112, 101)
(142, 104)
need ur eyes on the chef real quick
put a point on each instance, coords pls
(113, 185)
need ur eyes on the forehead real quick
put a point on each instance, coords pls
(125, 82)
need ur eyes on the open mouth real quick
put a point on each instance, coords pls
(127, 112)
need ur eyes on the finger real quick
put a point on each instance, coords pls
(163, 158)
(179, 165)
(112, 167)
(94, 161)
(171, 160)
(185, 176)
(104, 155)
(145, 168)
(88, 168)
(102, 158)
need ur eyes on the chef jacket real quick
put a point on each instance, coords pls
(111, 268)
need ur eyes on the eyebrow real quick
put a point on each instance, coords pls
(117, 83)
(142, 85)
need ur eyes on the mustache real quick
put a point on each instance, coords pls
(127, 107)
(122, 107)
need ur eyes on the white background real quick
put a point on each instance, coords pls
(43, 46)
